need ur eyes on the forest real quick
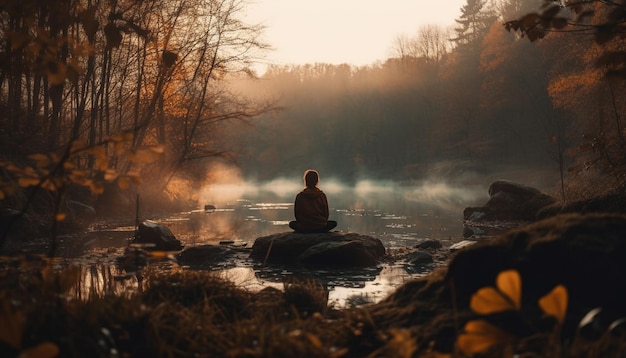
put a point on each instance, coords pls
(103, 100)
(478, 97)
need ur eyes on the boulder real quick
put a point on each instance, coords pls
(156, 237)
(318, 249)
(584, 253)
(429, 244)
(509, 201)
(419, 258)
(462, 244)
(204, 256)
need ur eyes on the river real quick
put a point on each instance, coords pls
(400, 217)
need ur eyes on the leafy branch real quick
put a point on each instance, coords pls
(54, 172)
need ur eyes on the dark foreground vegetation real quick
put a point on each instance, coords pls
(552, 289)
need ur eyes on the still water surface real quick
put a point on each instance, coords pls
(394, 216)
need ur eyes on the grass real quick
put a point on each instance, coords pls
(50, 309)
(176, 314)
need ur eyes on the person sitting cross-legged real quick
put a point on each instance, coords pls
(311, 207)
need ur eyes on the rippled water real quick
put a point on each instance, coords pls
(399, 223)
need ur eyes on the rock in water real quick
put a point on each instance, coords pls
(319, 249)
(151, 232)
(204, 256)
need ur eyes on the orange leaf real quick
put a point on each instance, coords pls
(60, 217)
(506, 297)
(159, 254)
(110, 175)
(480, 335)
(510, 283)
(41, 159)
(123, 183)
(488, 300)
(77, 146)
(555, 303)
(159, 149)
(25, 182)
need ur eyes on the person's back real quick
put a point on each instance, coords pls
(311, 207)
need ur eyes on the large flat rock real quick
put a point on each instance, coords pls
(319, 249)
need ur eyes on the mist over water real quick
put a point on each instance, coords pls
(399, 214)
(396, 213)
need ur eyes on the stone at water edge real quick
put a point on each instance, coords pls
(509, 201)
(429, 244)
(318, 249)
(584, 253)
(151, 232)
(204, 255)
(462, 244)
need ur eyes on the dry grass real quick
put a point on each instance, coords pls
(197, 313)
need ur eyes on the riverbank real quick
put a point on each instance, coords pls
(190, 313)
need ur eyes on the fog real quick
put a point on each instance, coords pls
(434, 193)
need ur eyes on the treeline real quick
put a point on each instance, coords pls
(477, 95)
(93, 91)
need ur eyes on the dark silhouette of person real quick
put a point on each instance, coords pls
(311, 207)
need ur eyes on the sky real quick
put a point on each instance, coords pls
(357, 32)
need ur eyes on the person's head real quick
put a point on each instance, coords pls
(311, 178)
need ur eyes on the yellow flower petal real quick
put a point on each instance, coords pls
(481, 335)
(488, 300)
(509, 282)
(555, 303)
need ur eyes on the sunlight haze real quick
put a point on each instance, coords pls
(357, 32)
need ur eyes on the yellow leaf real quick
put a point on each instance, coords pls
(510, 283)
(480, 335)
(110, 175)
(99, 152)
(159, 254)
(41, 159)
(12, 325)
(43, 350)
(123, 183)
(141, 156)
(102, 164)
(506, 297)
(488, 300)
(25, 182)
(77, 146)
(315, 341)
(51, 185)
(159, 149)
(555, 303)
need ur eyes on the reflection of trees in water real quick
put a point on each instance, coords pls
(99, 280)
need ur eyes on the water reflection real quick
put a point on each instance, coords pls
(396, 218)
